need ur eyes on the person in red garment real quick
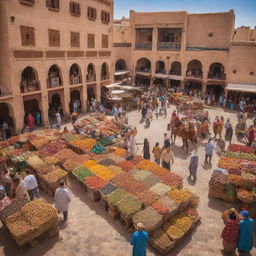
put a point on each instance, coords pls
(251, 135)
(31, 121)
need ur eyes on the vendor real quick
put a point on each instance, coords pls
(21, 190)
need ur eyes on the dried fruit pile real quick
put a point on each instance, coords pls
(146, 165)
(115, 197)
(245, 195)
(125, 165)
(129, 206)
(241, 155)
(172, 231)
(85, 145)
(120, 152)
(230, 164)
(82, 173)
(95, 183)
(102, 171)
(182, 221)
(65, 154)
(161, 241)
(160, 208)
(179, 196)
(89, 163)
(52, 148)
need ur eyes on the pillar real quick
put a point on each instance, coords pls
(84, 99)
(182, 84)
(154, 39)
(45, 106)
(204, 86)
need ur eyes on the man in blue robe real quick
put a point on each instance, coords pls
(139, 241)
(246, 228)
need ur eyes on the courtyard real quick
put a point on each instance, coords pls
(91, 231)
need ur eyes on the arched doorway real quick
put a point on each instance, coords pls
(75, 101)
(5, 116)
(143, 65)
(54, 106)
(32, 106)
(143, 73)
(29, 80)
(54, 77)
(195, 69)
(174, 72)
(91, 75)
(104, 72)
(75, 76)
(160, 67)
(217, 71)
(120, 65)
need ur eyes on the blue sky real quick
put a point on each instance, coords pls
(245, 10)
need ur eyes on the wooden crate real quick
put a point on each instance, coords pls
(103, 201)
(113, 212)
(126, 221)
(94, 195)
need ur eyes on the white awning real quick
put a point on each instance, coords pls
(112, 86)
(158, 75)
(143, 73)
(121, 72)
(117, 92)
(242, 87)
(175, 77)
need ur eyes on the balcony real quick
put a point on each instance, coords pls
(75, 79)
(220, 76)
(143, 46)
(4, 92)
(164, 46)
(53, 82)
(29, 86)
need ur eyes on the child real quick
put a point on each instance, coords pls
(157, 153)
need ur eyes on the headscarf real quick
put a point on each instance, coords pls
(245, 214)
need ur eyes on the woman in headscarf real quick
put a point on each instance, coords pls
(246, 228)
(220, 126)
(146, 150)
(230, 232)
(251, 135)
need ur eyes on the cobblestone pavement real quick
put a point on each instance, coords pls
(92, 232)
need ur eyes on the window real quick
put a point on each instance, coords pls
(53, 4)
(210, 34)
(27, 36)
(27, 2)
(91, 41)
(75, 39)
(92, 13)
(105, 17)
(54, 38)
(251, 73)
(74, 9)
(234, 71)
(104, 41)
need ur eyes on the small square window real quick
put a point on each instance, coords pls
(251, 73)
(234, 71)
(210, 34)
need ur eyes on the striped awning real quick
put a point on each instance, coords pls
(251, 88)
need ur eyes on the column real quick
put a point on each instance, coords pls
(154, 39)
(45, 106)
(204, 86)
(84, 99)
(182, 84)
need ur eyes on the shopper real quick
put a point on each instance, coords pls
(167, 158)
(229, 134)
(146, 150)
(209, 151)
(157, 151)
(21, 190)
(230, 233)
(193, 166)
(139, 241)
(246, 229)
(58, 118)
(62, 200)
(5, 130)
(31, 185)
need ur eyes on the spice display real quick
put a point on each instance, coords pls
(245, 195)
(149, 217)
(140, 175)
(240, 148)
(115, 157)
(235, 179)
(147, 197)
(54, 176)
(123, 180)
(129, 206)
(182, 221)
(102, 172)
(162, 242)
(51, 160)
(241, 155)
(172, 231)
(115, 169)
(39, 143)
(70, 165)
(95, 183)
(107, 189)
(160, 171)
(85, 144)
(65, 154)
(150, 181)
(35, 162)
(89, 163)
(229, 163)
(105, 142)
(160, 208)
(115, 197)
(81, 158)
(15, 152)
(39, 212)
(172, 180)
(178, 196)
(10, 209)
(82, 173)
(125, 165)
(53, 147)
(107, 162)
(120, 152)
(160, 189)
(146, 165)
(170, 204)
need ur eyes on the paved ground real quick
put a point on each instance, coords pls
(91, 232)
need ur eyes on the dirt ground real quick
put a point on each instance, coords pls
(92, 232)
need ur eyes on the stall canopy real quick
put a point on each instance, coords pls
(121, 72)
(158, 75)
(251, 88)
(175, 77)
